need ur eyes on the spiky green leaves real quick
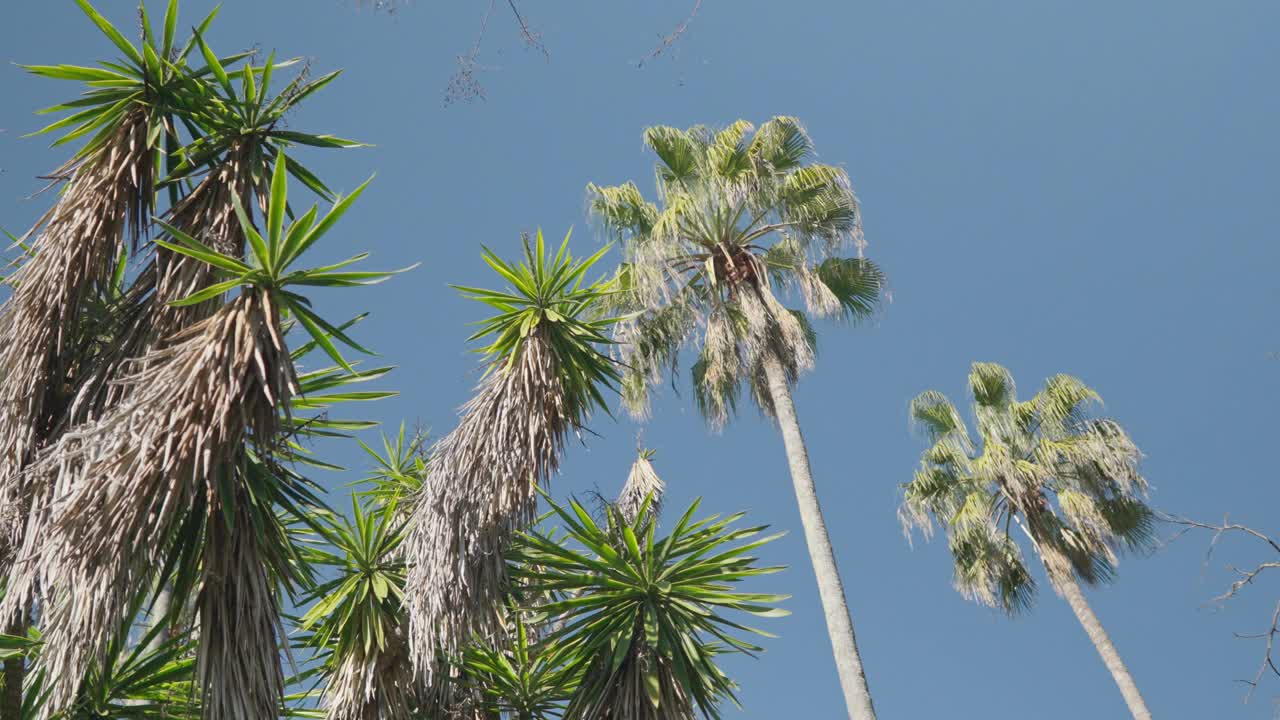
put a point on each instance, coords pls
(358, 608)
(549, 296)
(1044, 468)
(527, 679)
(239, 110)
(272, 258)
(153, 76)
(644, 613)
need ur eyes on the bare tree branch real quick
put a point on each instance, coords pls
(531, 38)
(464, 85)
(1246, 577)
(670, 40)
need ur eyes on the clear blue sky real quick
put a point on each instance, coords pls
(1082, 187)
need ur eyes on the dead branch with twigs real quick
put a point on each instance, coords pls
(669, 40)
(1245, 576)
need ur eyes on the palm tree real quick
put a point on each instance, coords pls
(1069, 481)
(544, 376)
(357, 622)
(76, 258)
(741, 218)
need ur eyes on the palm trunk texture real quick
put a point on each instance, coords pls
(1070, 590)
(853, 680)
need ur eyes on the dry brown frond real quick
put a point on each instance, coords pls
(481, 490)
(238, 665)
(642, 484)
(206, 214)
(106, 201)
(378, 685)
(123, 481)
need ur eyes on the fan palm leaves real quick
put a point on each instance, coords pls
(740, 217)
(643, 618)
(743, 217)
(178, 441)
(110, 184)
(545, 373)
(1069, 481)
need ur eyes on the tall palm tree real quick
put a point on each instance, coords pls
(544, 375)
(741, 217)
(1069, 481)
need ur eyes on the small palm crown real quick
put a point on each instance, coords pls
(548, 296)
(739, 214)
(1068, 480)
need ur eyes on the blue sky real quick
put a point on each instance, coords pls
(1083, 187)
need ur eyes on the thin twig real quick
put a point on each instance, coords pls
(670, 40)
(1246, 577)
(532, 39)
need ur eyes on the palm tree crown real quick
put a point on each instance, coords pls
(1069, 480)
(739, 214)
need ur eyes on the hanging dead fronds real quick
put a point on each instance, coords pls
(73, 255)
(238, 661)
(124, 481)
(544, 378)
(481, 489)
(642, 492)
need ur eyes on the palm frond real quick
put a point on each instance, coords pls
(739, 215)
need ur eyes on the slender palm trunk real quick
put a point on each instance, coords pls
(1070, 590)
(853, 680)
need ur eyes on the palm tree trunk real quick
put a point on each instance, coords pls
(1070, 590)
(853, 680)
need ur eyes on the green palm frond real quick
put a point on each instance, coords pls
(740, 217)
(1045, 468)
(238, 111)
(152, 76)
(356, 621)
(272, 258)
(527, 678)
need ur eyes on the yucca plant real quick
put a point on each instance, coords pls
(357, 621)
(546, 371)
(643, 618)
(523, 678)
(127, 117)
(236, 124)
(743, 216)
(203, 417)
(1067, 480)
